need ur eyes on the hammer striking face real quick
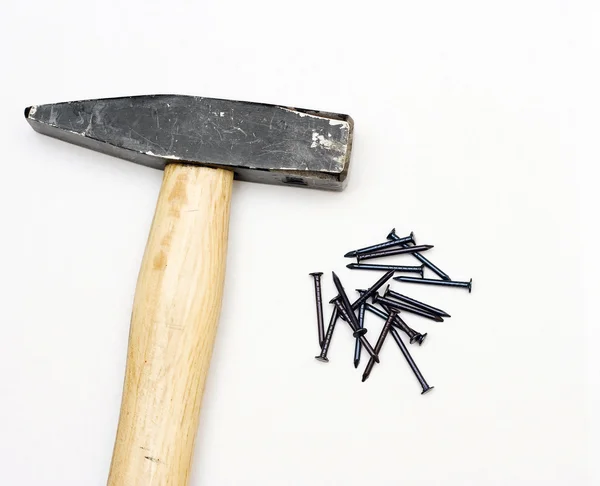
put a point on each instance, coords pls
(258, 142)
(201, 143)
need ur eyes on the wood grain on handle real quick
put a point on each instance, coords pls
(173, 327)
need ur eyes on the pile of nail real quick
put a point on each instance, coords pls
(388, 307)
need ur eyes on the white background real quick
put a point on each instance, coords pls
(476, 127)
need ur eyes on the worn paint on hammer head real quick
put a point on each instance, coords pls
(259, 142)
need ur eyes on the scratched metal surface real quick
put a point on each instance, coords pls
(259, 142)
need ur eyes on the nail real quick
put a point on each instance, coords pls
(379, 344)
(434, 310)
(430, 281)
(413, 335)
(319, 302)
(393, 251)
(345, 309)
(395, 268)
(380, 246)
(405, 307)
(422, 259)
(361, 325)
(328, 335)
(410, 361)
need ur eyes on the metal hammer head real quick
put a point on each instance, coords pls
(258, 142)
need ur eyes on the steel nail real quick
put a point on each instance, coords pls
(406, 307)
(410, 361)
(380, 246)
(319, 303)
(393, 251)
(395, 268)
(434, 310)
(430, 281)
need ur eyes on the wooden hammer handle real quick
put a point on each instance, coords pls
(173, 327)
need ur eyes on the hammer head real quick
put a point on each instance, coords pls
(258, 142)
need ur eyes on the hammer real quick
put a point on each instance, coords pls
(201, 144)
